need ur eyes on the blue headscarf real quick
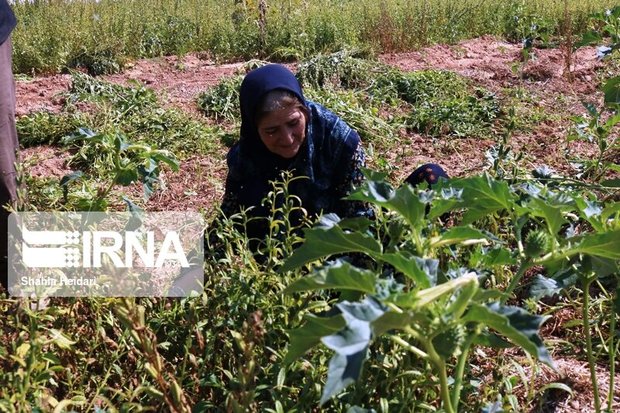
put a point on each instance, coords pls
(254, 87)
(329, 144)
(7, 20)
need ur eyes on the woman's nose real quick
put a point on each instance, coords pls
(287, 136)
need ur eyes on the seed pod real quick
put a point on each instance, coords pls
(536, 243)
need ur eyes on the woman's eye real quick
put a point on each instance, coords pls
(294, 122)
(271, 131)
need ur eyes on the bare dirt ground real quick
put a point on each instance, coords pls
(495, 64)
(545, 83)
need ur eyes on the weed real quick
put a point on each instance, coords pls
(343, 69)
(222, 100)
(99, 62)
(361, 113)
(45, 128)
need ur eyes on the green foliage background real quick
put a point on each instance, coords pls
(103, 35)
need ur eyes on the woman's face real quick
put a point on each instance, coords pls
(283, 131)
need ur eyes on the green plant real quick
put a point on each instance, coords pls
(599, 127)
(222, 101)
(440, 311)
(97, 62)
(45, 128)
(53, 36)
(124, 161)
(343, 69)
(125, 100)
(600, 124)
(442, 102)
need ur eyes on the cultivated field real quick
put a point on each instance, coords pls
(496, 291)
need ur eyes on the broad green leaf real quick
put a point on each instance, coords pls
(606, 245)
(360, 224)
(548, 287)
(403, 200)
(612, 121)
(611, 88)
(611, 183)
(592, 212)
(490, 339)
(350, 344)
(459, 235)
(589, 38)
(498, 256)
(390, 321)
(324, 242)
(167, 158)
(604, 267)
(377, 192)
(310, 334)
(423, 272)
(343, 371)
(367, 310)
(51, 358)
(482, 196)
(610, 210)
(429, 267)
(551, 214)
(126, 176)
(514, 323)
(407, 203)
(353, 338)
(120, 142)
(328, 221)
(372, 175)
(445, 199)
(339, 275)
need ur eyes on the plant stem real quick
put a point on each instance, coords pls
(586, 326)
(440, 365)
(445, 391)
(460, 370)
(612, 357)
(409, 347)
(515, 280)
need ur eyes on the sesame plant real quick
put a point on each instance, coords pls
(429, 288)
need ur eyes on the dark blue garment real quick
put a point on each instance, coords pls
(429, 173)
(7, 20)
(327, 163)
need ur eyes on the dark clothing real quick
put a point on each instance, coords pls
(429, 173)
(7, 20)
(329, 160)
(8, 134)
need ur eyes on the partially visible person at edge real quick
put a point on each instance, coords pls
(283, 131)
(8, 134)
